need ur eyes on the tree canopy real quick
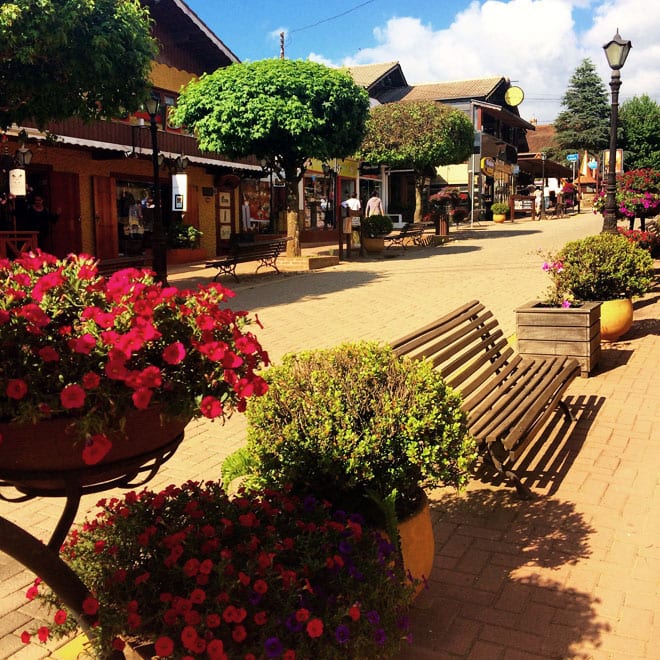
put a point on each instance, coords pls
(585, 123)
(421, 135)
(283, 111)
(66, 58)
(640, 123)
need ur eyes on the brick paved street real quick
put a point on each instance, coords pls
(573, 573)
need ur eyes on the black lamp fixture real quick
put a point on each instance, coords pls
(616, 51)
(158, 243)
(23, 156)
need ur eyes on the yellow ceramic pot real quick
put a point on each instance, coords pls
(616, 317)
(499, 217)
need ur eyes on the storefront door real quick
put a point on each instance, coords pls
(65, 200)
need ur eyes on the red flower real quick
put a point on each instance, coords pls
(25, 637)
(260, 586)
(315, 628)
(302, 615)
(216, 650)
(72, 396)
(354, 612)
(90, 606)
(210, 407)
(90, 380)
(60, 617)
(164, 646)
(95, 449)
(260, 618)
(16, 388)
(239, 634)
(142, 398)
(49, 354)
(43, 633)
(174, 353)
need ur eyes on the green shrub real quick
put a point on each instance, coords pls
(500, 208)
(604, 267)
(356, 422)
(376, 225)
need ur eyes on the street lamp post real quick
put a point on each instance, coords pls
(158, 243)
(616, 52)
(332, 172)
(543, 158)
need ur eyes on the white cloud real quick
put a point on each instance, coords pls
(535, 43)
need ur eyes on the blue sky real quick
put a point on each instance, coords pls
(536, 43)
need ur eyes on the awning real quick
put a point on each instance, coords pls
(533, 164)
(129, 150)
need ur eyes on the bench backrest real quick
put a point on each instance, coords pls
(261, 247)
(467, 346)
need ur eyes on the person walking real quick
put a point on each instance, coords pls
(353, 207)
(374, 205)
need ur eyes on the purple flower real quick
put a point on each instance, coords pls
(293, 624)
(566, 304)
(373, 617)
(379, 636)
(345, 547)
(342, 634)
(273, 647)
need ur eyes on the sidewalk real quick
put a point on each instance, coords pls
(571, 574)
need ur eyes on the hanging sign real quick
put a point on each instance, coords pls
(17, 182)
(487, 166)
(180, 192)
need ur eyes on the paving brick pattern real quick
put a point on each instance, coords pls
(573, 573)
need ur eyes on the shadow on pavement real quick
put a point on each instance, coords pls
(492, 579)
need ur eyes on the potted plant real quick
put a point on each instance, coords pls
(84, 359)
(361, 427)
(183, 243)
(607, 268)
(637, 196)
(373, 228)
(499, 211)
(191, 572)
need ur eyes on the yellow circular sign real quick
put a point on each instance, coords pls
(514, 96)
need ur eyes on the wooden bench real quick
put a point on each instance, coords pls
(109, 266)
(413, 231)
(507, 398)
(265, 252)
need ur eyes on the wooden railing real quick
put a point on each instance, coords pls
(13, 243)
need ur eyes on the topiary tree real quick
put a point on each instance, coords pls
(64, 58)
(283, 111)
(421, 135)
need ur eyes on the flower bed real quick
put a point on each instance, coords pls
(265, 575)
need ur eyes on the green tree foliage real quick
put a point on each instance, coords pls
(67, 58)
(421, 135)
(585, 123)
(283, 111)
(640, 122)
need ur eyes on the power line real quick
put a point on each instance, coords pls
(332, 18)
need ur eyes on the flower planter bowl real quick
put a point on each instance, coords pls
(42, 458)
(550, 331)
(418, 544)
(616, 318)
(499, 217)
(373, 245)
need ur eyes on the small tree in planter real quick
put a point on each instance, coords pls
(356, 424)
(374, 226)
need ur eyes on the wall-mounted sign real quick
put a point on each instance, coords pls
(180, 192)
(17, 182)
(488, 166)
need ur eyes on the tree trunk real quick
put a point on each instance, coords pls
(292, 214)
(419, 187)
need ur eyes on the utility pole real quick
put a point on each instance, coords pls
(281, 45)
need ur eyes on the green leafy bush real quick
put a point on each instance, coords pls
(180, 235)
(376, 225)
(356, 422)
(603, 267)
(500, 208)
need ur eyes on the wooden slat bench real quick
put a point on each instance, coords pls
(414, 232)
(109, 266)
(508, 398)
(265, 252)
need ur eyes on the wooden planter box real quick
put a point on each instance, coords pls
(550, 331)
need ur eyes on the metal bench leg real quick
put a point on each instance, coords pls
(523, 491)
